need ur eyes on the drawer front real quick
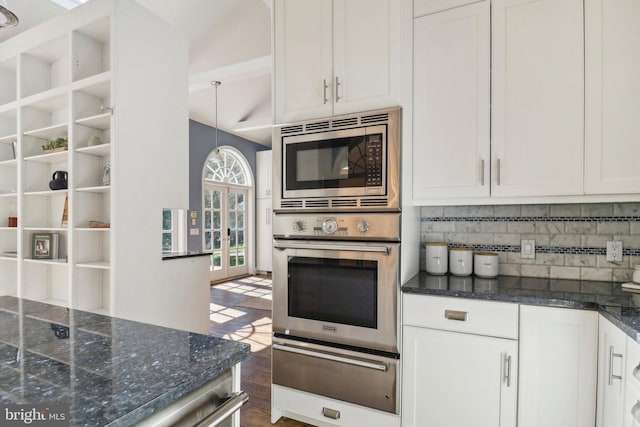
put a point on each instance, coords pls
(496, 319)
(322, 411)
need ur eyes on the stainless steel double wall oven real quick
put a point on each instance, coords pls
(336, 257)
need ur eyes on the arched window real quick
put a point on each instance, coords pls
(229, 169)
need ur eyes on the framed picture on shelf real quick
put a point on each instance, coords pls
(44, 246)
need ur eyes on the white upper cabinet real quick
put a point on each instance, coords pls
(612, 96)
(335, 57)
(537, 120)
(451, 147)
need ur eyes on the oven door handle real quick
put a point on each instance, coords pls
(334, 357)
(332, 247)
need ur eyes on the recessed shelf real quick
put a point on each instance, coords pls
(8, 194)
(8, 106)
(7, 258)
(96, 189)
(47, 229)
(57, 261)
(58, 157)
(49, 132)
(8, 139)
(97, 85)
(51, 100)
(95, 229)
(46, 193)
(96, 150)
(9, 163)
(101, 265)
(99, 121)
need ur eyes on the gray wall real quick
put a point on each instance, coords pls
(201, 143)
(570, 239)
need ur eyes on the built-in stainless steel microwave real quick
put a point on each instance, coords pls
(339, 163)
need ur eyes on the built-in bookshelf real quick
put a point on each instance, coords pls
(60, 80)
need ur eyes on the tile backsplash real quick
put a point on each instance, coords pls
(570, 239)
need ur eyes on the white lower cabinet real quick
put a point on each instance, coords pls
(611, 373)
(453, 375)
(631, 411)
(477, 363)
(557, 377)
(458, 379)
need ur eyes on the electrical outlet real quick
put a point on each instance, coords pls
(614, 251)
(528, 249)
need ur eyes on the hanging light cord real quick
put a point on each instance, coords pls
(216, 83)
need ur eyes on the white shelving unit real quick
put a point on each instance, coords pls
(113, 95)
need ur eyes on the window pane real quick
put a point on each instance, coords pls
(241, 239)
(217, 259)
(216, 220)
(207, 220)
(232, 201)
(166, 219)
(207, 199)
(232, 260)
(232, 220)
(216, 240)
(166, 242)
(241, 258)
(240, 202)
(240, 220)
(216, 200)
(233, 240)
(207, 241)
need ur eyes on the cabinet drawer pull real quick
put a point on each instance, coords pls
(507, 369)
(498, 171)
(611, 356)
(635, 410)
(331, 413)
(456, 315)
(482, 172)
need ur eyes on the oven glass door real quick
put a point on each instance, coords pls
(337, 292)
(349, 162)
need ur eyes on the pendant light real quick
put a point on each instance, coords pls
(7, 18)
(215, 156)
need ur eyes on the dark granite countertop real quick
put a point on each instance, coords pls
(108, 371)
(186, 254)
(622, 308)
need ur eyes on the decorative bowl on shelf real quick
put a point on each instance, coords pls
(99, 224)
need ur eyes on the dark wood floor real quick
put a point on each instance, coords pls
(231, 319)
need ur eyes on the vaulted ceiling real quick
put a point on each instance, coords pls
(229, 41)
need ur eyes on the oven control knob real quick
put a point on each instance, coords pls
(363, 225)
(299, 225)
(329, 225)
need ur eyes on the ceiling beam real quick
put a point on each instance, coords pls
(230, 73)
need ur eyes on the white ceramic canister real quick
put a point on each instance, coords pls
(460, 261)
(436, 254)
(636, 273)
(485, 264)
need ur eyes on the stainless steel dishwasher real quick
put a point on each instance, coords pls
(212, 404)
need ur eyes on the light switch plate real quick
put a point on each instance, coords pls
(528, 249)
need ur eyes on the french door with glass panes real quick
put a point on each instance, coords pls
(224, 217)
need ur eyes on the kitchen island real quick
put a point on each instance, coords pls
(105, 370)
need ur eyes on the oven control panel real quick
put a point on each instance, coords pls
(379, 226)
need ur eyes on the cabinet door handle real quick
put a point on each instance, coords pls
(635, 410)
(455, 315)
(507, 369)
(611, 356)
(497, 171)
(337, 89)
(482, 172)
(325, 86)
